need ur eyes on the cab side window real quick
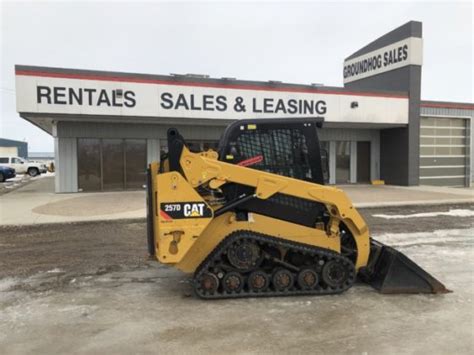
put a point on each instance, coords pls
(16, 161)
(284, 151)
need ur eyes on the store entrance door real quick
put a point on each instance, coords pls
(363, 162)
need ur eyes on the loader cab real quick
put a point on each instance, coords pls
(288, 147)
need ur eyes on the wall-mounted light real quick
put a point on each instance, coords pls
(354, 104)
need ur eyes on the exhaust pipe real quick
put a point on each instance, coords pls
(392, 272)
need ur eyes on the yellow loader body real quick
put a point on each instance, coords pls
(245, 230)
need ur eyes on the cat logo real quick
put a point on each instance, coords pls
(193, 209)
(179, 210)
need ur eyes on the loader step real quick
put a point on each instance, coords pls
(249, 264)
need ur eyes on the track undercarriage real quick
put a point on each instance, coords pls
(248, 264)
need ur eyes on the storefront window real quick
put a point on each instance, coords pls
(193, 145)
(111, 164)
(163, 147)
(88, 164)
(324, 146)
(135, 163)
(343, 162)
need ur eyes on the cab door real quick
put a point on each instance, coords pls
(18, 164)
(288, 147)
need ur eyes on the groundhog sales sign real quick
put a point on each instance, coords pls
(95, 95)
(397, 55)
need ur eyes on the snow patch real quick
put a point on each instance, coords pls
(452, 213)
(7, 283)
(54, 271)
(437, 236)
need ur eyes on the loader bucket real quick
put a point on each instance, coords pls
(390, 271)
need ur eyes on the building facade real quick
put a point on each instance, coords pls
(107, 126)
(12, 148)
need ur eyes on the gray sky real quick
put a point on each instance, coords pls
(296, 42)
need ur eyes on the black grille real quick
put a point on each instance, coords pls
(293, 202)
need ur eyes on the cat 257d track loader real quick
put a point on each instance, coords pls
(255, 219)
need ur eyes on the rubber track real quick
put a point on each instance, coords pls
(274, 241)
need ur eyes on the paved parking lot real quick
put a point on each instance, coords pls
(14, 183)
(89, 288)
(22, 180)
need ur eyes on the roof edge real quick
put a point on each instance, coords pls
(144, 78)
(12, 140)
(447, 104)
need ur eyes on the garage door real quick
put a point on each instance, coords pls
(444, 151)
(9, 151)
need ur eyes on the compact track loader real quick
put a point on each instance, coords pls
(255, 218)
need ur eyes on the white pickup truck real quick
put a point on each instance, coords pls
(23, 166)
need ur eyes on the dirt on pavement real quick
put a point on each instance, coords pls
(90, 288)
(98, 247)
